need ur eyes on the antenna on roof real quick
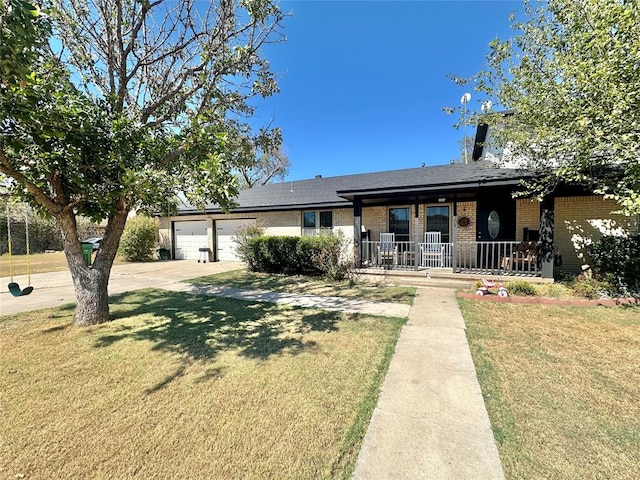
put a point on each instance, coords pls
(291, 189)
(466, 98)
(486, 106)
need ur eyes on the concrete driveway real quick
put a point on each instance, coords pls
(56, 288)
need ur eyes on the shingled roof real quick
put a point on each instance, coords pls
(332, 192)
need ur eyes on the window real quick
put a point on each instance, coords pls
(493, 224)
(313, 222)
(399, 223)
(438, 221)
(326, 219)
(309, 219)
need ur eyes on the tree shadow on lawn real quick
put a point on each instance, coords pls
(200, 327)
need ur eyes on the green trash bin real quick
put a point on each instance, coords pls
(87, 250)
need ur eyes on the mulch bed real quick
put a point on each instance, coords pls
(608, 302)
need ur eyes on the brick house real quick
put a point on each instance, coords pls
(458, 217)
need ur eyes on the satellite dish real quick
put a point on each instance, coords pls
(486, 106)
(466, 98)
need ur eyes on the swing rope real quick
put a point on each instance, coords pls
(26, 227)
(9, 244)
(14, 288)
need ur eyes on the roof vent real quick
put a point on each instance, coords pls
(318, 176)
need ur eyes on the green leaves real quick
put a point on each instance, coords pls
(572, 75)
(22, 30)
(138, 108)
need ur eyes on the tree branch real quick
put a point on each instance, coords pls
(39, 195)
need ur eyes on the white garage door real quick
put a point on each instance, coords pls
(190, 237)
(225, 232)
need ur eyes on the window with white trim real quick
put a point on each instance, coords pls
(315, 221)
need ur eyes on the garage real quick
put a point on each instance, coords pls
(190, 237)
(225, 235)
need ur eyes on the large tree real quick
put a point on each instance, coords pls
(571, 75)
(258, 157)
(133, 101)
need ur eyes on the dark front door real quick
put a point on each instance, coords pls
(496, 222)
(496, 217)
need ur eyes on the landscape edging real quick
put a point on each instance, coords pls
(607, 302)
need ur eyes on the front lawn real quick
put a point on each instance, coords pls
(39, 263)
(561, 385)
(310, 286)
(183, 386)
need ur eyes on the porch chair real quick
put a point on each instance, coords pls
(523, 259)
(432, 250)
(526, 256)
(388, 249)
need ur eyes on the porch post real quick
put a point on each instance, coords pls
(357, 232)
(454, 244)
(416, 235)
(546, 236)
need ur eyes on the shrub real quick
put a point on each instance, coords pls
(590, 287)
(243, 248)
(325, 254)
(616, 260)
(521, 288)
(276, 255)
(330, 256)
(138, 239)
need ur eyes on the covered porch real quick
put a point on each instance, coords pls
(464, 226)
(514, 258)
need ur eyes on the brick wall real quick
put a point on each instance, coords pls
(527, 216)
(469, 210)
(582, 220)
(374, 219)
(467, 251)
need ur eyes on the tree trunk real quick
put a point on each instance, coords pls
(91, 283)
(91, 286)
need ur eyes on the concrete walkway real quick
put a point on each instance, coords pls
(336, 304)
(430, 421)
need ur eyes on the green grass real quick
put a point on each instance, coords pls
(561, 385)
(310, 286)
(183, 386)
(40, 263)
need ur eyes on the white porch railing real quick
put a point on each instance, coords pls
(406, 255)
(503, 258)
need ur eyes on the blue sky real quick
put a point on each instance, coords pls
(363, 82)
